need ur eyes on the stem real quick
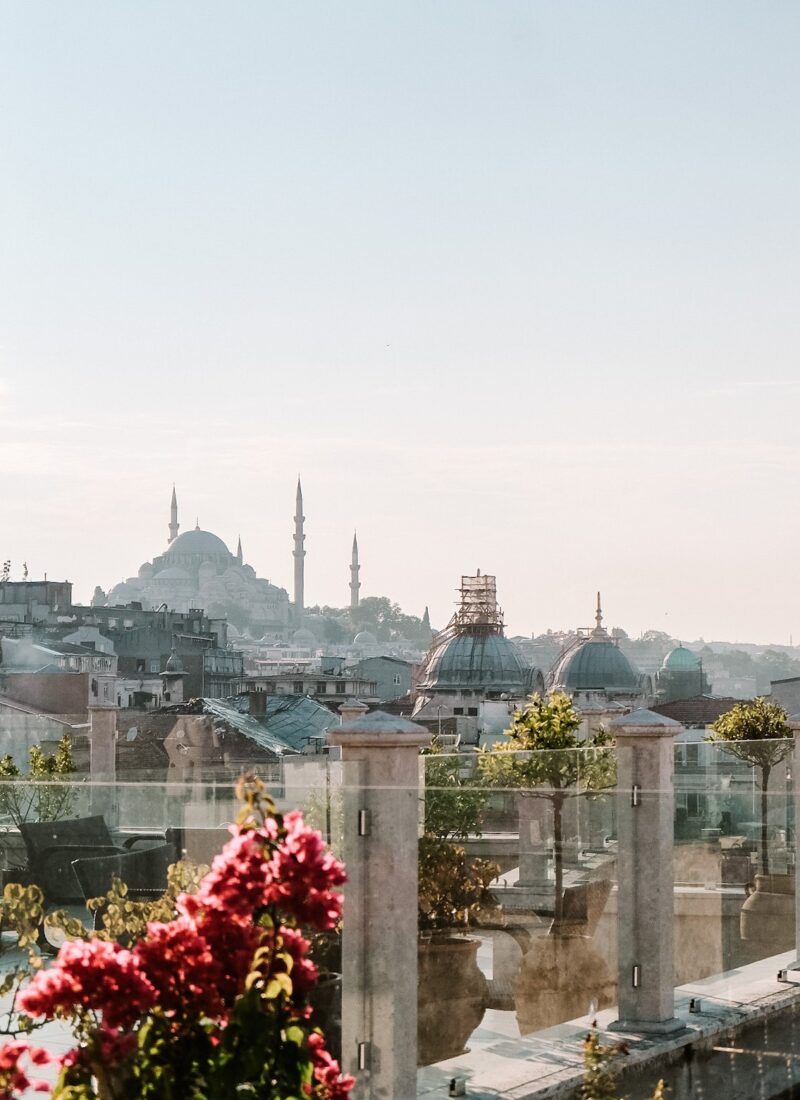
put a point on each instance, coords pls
(765, 770)
(558, 860)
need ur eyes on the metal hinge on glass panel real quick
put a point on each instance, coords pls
(363, 822)
(636, 795)
(362, 1055)
(636, 976)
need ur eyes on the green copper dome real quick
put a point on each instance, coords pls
(479, 662)
(597, 665)
(681, 659)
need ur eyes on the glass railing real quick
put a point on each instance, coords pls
(516, 928)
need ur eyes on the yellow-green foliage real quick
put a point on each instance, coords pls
(38, 796)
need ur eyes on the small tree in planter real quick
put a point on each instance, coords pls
(453, 891)
(540, 759)
(214, 1002)
(452, 888)
(38, 796)
(756, 732)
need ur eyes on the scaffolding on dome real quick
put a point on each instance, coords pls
(477, 612)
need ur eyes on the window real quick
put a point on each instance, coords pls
(297, 687)
(472, 712)
(458, 710)
(321, 686)
(340, 686)
(396, 679)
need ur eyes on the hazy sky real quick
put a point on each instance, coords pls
(513, 286)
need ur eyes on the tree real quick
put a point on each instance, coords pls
(453, 889)
(38, 796)
(757, 733)
(541, 758)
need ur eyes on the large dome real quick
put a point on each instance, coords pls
(681, 659)
(597, 665)
(475, 662)
(198, 542)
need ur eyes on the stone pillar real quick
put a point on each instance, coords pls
(351, 709)
(793, 762)
(645, 795)
(103, 760)
(379, 940)
(533, 852)
(102, 743)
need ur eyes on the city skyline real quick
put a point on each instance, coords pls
(513, 287)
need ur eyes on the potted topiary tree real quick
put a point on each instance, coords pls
(453, 892)
(757, 733)
(543, 757)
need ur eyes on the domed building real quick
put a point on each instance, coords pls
(472, 670)
(681, 676)
(197, 570)
(593, 669)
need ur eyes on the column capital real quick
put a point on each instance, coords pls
(379, 730)
(645, 723)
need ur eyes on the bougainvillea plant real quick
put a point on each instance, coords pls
(212, 1004)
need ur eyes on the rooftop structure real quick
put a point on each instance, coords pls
(593, 662)
(472, 654)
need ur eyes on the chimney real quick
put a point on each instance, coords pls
(258, 703)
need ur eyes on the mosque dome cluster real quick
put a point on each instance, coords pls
(198, 570)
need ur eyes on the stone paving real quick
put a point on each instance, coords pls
(502, 1065)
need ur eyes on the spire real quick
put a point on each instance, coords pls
(426, 621)
(599, 630)
(174, 526)
(239, 556)
(355, 569)
(299, 552)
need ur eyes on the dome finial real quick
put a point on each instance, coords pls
(197, 523)
(599, 629)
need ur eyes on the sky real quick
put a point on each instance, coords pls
(512, 285)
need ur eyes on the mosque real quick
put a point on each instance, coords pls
(197, 570)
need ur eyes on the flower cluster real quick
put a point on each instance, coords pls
(13, 1078)
(331, 1083)
(193, 974)
(91, 974)
(302, 873)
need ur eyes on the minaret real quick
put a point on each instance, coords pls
(239, 556)
(299, 553)
(355, 569)
(173, 517)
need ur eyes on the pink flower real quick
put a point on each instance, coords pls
(302, 874)
(304, 973)
(14, 1080)
(91, 974)
(331, 1083)
(198, 966)
(238, 874)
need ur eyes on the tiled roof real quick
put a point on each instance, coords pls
(702, 710)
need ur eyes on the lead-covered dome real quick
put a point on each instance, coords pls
(472, 654)
(475, 662)
(198, 542)
(597, 665)
(594, 662)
